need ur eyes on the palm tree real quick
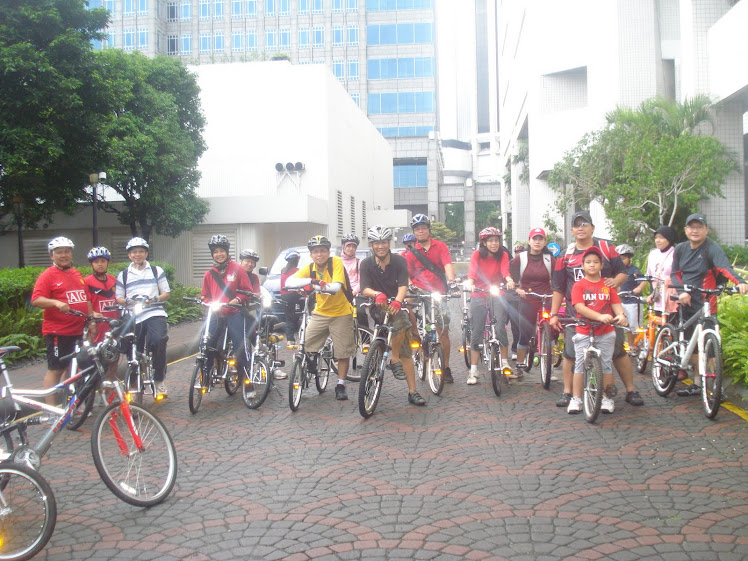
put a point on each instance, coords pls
(661, 116)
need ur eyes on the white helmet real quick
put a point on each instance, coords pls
(379, 234)
(137, 242)
(59, 242)
(624, 249)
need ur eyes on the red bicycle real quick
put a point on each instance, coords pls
(544, 342)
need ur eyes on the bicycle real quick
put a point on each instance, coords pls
(467, 331)
(364, 337)
(544, 341)
(131, 448)
(671, 356)
(28, 512)
(223, 369)
(428, 355)
(645, 336)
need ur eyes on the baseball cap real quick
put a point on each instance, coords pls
(536, 232)
(593, 250)
(696, 216)
(584, 215)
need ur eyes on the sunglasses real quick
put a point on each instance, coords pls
(582, 224)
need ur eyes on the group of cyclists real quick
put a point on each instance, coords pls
(586, 278)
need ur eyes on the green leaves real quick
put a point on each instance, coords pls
(733, 320)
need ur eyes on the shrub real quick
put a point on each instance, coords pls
(737, 254)
(733, 320)
(180, 311)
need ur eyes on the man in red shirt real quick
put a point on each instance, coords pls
(58, 290)
(430, 268)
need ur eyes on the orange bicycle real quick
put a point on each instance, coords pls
(645, 335)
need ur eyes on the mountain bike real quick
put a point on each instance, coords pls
(543, 341)
(28, 512)
(428, 356)
(671, 353)
(491, 349)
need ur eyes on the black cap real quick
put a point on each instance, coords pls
(582, 214)
(696, 216)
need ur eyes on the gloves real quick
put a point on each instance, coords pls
(320, 283)
(396, 304)
(381, 298)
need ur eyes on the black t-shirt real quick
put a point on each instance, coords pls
(388, 281)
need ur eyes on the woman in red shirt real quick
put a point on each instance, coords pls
(489, 265)
(290, 298)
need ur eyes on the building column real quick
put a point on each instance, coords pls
(469, 212)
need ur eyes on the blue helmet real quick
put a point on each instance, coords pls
(292, 254)
(97, 252)
(407, 238)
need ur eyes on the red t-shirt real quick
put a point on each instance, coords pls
(438, 254)
(597, 297)
(101, 295)
(485, 271)
(66, 286)
(284, 277)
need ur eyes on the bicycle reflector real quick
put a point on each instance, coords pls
(462, 349)
(365, 349)
(546, 315)
(415, 345)
(159, 397)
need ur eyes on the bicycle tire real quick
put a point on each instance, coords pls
(356, 364)
(197, 383)
(296, 384)
(466, 334)
(231, 380)
(260, 384)
(546, 356)
(494, 367)
(592, 390)
(138, 477)
(711, 379)
(532, 347)
(30, 512)
(419, 363)
(558, 351)
(134, 384)
(324, 366)
(372, 379)
(641, 352)
(664, 376)
(435, 372)
(81, 413)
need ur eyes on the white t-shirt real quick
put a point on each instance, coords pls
(660, 264)
(144, 283)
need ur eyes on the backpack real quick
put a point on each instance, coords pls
(346, 285)
(154, 270)
(523, 264)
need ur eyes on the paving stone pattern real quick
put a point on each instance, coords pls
(469, 476)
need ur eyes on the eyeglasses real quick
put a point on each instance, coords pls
(582, 224)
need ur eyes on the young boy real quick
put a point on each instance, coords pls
(101, 289)
(595, 301)
(630, 303)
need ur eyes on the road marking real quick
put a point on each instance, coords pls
(739, 411)
(181, 359)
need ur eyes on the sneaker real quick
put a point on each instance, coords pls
(416, 399)
(689, 391)
(280, 375)
(448, 379)
(161, 389)
(472, 379)
(554, 378)
(514, 356)
(634, 398)
(516, 374)
(564, 400)
(397, 370)
(608, 405)
(575, 406)
(340, 393)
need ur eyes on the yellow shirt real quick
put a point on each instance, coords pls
(330, 305)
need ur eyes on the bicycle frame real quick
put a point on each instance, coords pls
(697, 338)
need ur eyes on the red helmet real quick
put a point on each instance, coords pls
(488, 232)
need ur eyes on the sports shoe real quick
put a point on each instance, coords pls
(554, 378)
(564, 400)
(340, 393)
(416, 399)
(397, 370)
(634, 398)
(689, 391)
(161, 389)
(472, 379)
(514, 356)
(516, 374)
(448, 379)
(279, 375)
(608, 405)
(575, 406)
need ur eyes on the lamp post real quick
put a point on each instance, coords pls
(18, 208)
(95, 179)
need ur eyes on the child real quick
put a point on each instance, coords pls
(630, 303)
(594, 300)
(100, 288)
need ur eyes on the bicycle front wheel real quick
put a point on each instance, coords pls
(641, 350)
(364, 337)
(466, 334)
(711, 378)
(325, 366)
(546, 356)
(134, 384)
(28, 512)
(256, 391)
(372, 377)
(140, 477)
(494, 367)
(435, 371)
(231, 373)
(592, 397)
(665, 361)
(197, 385)
(296, 384)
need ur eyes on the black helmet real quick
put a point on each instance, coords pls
(318, 241)
(219, 240)
(350, 238)
(419, 219)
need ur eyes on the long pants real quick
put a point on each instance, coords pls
(238, 333)
(156, 330)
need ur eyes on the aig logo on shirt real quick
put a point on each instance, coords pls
(104, 303)
(578, 273)
(76, 296)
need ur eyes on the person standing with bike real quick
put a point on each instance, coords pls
(532, 271)
(489, 265)
(141, 279)
(660, 265)
(333, 314)
(702, 263)
(221, 284)
(567, 272)
(100, 286)
(58, 290)
(384, 276)
(430, 268)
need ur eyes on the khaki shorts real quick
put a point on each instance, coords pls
(400, 323)
(338, 328)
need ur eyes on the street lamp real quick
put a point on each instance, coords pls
(18, 208)
(95, 179)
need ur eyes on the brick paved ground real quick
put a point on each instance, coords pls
(470, 476)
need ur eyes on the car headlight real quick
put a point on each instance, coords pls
(494, 290)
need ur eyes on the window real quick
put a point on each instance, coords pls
(338, 69)
(402, 34)
(318, 36)
(356, 97)
(340, 213)
(317, 7)
(186, 10)
(172, 45)
(271, 39)
(95, 43)
(422, 32)
(353, 214)
(204, 42)
(337, 6)
(251, 40)
(386, 5)
(172, 12)
(270, 7)
(352, 5)
(187, 44)
(337, 35)
(109, 42)
(410, 175)
(237, 8)
(406, 68)
(388, 34)
(218, 44)
(109, 5)
(405, 33)
(401, 102)
(143, 7)
(218, 9)
(204, 9)
(284, 11)
(353, 69)
(352, 35)
(142, 38)
(237, 41)
(251, 8)
(424, 67)
(128, 7)
(285, 38)
(304, 6)
(303, 37)
(128, 40)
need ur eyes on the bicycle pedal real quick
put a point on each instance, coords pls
(279, 363)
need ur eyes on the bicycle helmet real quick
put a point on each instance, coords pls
(250, 254)
(318, 241)
(420, 219)
(292, 254)
(379, 233)
(625, 249)
(137, 242)
(97, 252)
(350, 238)
(219, 240)
(488, 232)
(408, 238)
(59, 242)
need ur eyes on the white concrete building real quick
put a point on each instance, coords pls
(564, 65)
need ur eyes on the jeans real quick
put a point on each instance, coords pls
(238, 334)
(156, 330)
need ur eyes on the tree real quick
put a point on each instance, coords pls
(47, 131)
(440, 232)
(154, 139)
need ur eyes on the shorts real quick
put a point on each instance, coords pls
(401, 322)
(632, 314)
(59, 346)
(570, 332)
(605, 343)
(338, 328)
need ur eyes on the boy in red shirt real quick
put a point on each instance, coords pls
(100, 288)
(594, 300)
